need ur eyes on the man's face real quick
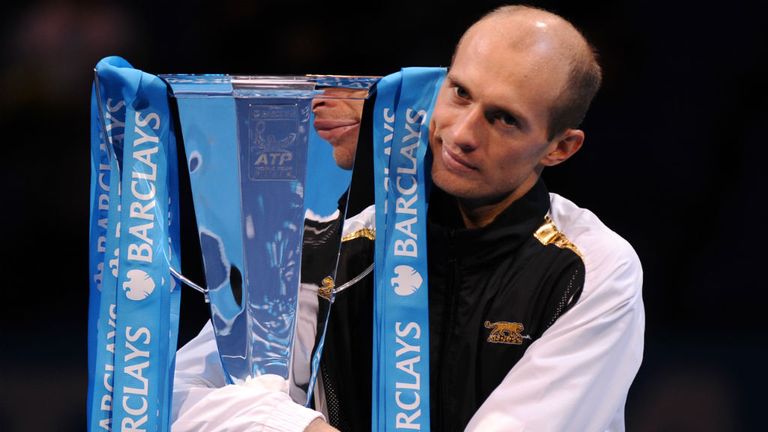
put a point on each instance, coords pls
(337, 120)
(489, 126)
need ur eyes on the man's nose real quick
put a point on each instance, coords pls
(319, 102)
(467, 128)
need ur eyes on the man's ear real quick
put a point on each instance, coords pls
(563, 147)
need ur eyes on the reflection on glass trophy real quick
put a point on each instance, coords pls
(270, 162)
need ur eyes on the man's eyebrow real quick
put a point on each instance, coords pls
(452, 80)
(522, 120)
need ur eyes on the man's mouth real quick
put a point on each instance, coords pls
(330, 129)
(456, 163)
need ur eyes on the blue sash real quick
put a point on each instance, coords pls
(401, 319)
(136, 327)
(107, 133)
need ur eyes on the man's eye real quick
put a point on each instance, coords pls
(506, 119)
(460, 92)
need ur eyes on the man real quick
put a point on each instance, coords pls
(536, 316)
(337, 120)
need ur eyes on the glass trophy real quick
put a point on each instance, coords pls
(270, 160)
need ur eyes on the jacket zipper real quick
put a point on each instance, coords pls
(453, 276)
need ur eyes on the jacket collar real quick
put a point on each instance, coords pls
(511, 228)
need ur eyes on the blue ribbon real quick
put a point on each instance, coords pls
(107, 133)
(401, 308)
(137, 323)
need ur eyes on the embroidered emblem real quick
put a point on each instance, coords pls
(363, 232)
(549, 234)
(506, 332)
(327, 288)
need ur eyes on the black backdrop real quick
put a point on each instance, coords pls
(673, 161)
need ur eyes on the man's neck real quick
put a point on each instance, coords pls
(481, 213)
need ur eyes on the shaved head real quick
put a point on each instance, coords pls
(559, 48)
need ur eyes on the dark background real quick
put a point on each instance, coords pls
(674, 162)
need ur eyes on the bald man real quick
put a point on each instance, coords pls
(497, 122)
(535, 307)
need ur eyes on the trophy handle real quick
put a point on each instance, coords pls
(186, 281)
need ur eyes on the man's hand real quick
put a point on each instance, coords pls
(319, 425)
(260, 403)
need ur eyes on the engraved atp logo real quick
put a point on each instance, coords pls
(274, 135)
(504, 332)
(407, 280)
(139, 285)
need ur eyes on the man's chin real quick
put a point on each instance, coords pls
(465, 190)
(454, 185)
(344, 158)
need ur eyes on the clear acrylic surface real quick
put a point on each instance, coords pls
(270, 161)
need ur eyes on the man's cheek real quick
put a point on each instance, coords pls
(434, 139)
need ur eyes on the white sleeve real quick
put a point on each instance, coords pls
(577, 375)
(202, 401)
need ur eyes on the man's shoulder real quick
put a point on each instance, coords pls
(585, 229)
(605, 253)
(362, 224)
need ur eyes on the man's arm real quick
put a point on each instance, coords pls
(202, 401)
(576, 376)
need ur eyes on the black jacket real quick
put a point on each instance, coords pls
(492, 292)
